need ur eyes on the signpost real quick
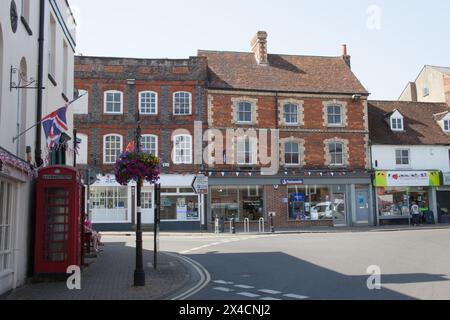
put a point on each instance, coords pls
(200, 184)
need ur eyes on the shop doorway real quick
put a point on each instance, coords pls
(362, 207)
(147, 207)
(443, 199)
(338, 208)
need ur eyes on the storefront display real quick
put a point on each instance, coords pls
(240, 202)
(109, 204)
(396, 201)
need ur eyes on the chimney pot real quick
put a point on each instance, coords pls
(345, 55)
(259, 47)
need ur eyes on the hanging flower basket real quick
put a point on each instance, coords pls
(132, 166)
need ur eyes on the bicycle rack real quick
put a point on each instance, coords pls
(261, 225)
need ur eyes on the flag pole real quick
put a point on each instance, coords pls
(22, 133)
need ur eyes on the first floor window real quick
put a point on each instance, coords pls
(334, 115)
(402, 157)
(112, 148)
(149, 144)
(148, 102)
(6, 208)
(182, 104)
(183, 149)
(113, 102)
(336, 150)
(291, 153)
(244, 112)
(290, 113)
(245, 151)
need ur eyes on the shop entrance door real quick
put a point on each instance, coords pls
(362, 207)
(339, 210)
(147, 207)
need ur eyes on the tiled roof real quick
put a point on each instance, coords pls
(420, 123)
(285, 73)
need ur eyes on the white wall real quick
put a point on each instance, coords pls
(82, 157)
(421, 158)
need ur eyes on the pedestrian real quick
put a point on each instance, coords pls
(415, 213)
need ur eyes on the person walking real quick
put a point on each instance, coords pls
(415, 213)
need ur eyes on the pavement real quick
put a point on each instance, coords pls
(109, 276)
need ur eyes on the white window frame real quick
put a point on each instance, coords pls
(402, 157)
(141, 97)
(290, 113)
(446, 123)
(251, 151)
(238, 105)
(341, 115)
(394, 124)
(147, 196)
(105, 102)
(330, 153)
(174, 103)
(187, 157)
(8, 252)
(104, 147)
(156, 142)
(298, 153)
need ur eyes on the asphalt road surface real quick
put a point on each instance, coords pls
(413, 265)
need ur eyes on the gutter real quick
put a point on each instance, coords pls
(38, 147)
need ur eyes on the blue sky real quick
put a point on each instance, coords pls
(389, 40)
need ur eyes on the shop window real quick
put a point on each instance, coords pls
(168, 190)
(109, 204)
(6, 208)
(402, 157)
(396, 202)
(179, 208)
(186, 190)
(240, 202)
(312, 203)
(146, 200)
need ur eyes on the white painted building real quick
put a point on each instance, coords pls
(410, 150)
(19, 64)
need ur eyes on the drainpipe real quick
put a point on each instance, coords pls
(40, 79)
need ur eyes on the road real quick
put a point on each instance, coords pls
(413, 265)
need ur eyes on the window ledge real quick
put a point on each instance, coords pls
(26, 25)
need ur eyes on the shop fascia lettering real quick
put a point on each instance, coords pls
(407, 179)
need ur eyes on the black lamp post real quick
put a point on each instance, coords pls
(139, 273)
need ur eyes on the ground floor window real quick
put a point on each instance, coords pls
(109, 204)
(315, 202)
(397, 201)
(240, 202)
(179, 208)
(146, 200)
(6, 208)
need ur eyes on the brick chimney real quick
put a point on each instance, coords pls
(413, 88)
(259, 48)
(345, 56)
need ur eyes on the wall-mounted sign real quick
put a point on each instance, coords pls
(292, 181)
(446, 179)
(407, 179)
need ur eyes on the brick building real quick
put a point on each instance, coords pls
(318, 109)
(170, 98)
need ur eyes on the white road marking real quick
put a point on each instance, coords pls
(242, 286)
(248, 294)
(269, 299)
(269, 291)
(295, 296)
(222, 282)
(223, 289)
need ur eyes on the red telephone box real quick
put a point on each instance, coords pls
(59, 220)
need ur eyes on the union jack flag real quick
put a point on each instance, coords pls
(54, 125)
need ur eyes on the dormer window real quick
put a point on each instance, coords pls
(397, 124)
(447, 126)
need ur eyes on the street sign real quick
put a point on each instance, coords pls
(200, 184)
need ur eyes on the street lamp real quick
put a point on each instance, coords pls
(139, 273)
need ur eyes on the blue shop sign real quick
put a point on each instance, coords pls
(298, 197)
(292, 181)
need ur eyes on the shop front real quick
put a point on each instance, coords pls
(304, 201)
(396, 191)
(443, 199)
(113, 206)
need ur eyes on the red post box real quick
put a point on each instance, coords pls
(59, 220)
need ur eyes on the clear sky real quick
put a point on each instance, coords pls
(389, 40)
